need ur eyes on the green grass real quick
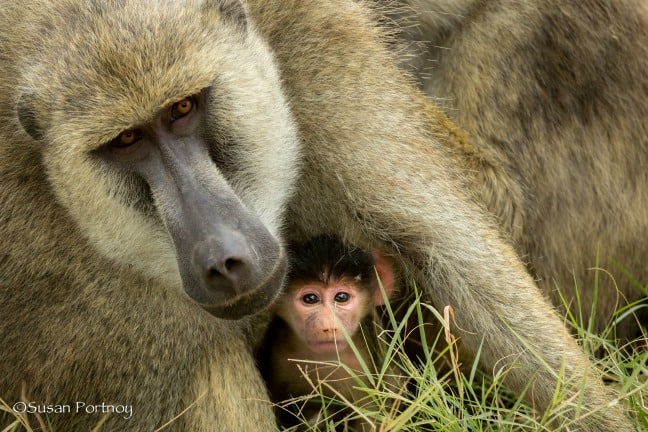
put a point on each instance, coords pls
(436, 394)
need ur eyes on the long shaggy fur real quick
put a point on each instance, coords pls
(92, 308)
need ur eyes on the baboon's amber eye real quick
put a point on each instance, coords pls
(182, 108)
(127, 138)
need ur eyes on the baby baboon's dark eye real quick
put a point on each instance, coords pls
(127, 138)
(310, 299)
(182, 108)
(342, 297)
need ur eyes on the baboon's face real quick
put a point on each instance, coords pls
(166, 137)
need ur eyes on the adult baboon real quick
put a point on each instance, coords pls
(146, 155)
(112, 209)
(554, 93)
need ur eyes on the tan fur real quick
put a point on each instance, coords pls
(89, 314)
(92, 306)
(394, 181)
(552, 93)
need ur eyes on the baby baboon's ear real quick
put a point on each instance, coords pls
(385, 274)
(27, 114)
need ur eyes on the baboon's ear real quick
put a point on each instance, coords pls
(229, 9)
(385, 274)
(27, 114)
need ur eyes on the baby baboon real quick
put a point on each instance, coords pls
(553, 94)
(329, 286)
(148, 155)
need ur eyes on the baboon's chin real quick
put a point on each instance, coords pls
(249, 304)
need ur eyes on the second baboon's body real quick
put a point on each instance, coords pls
(555, 94)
